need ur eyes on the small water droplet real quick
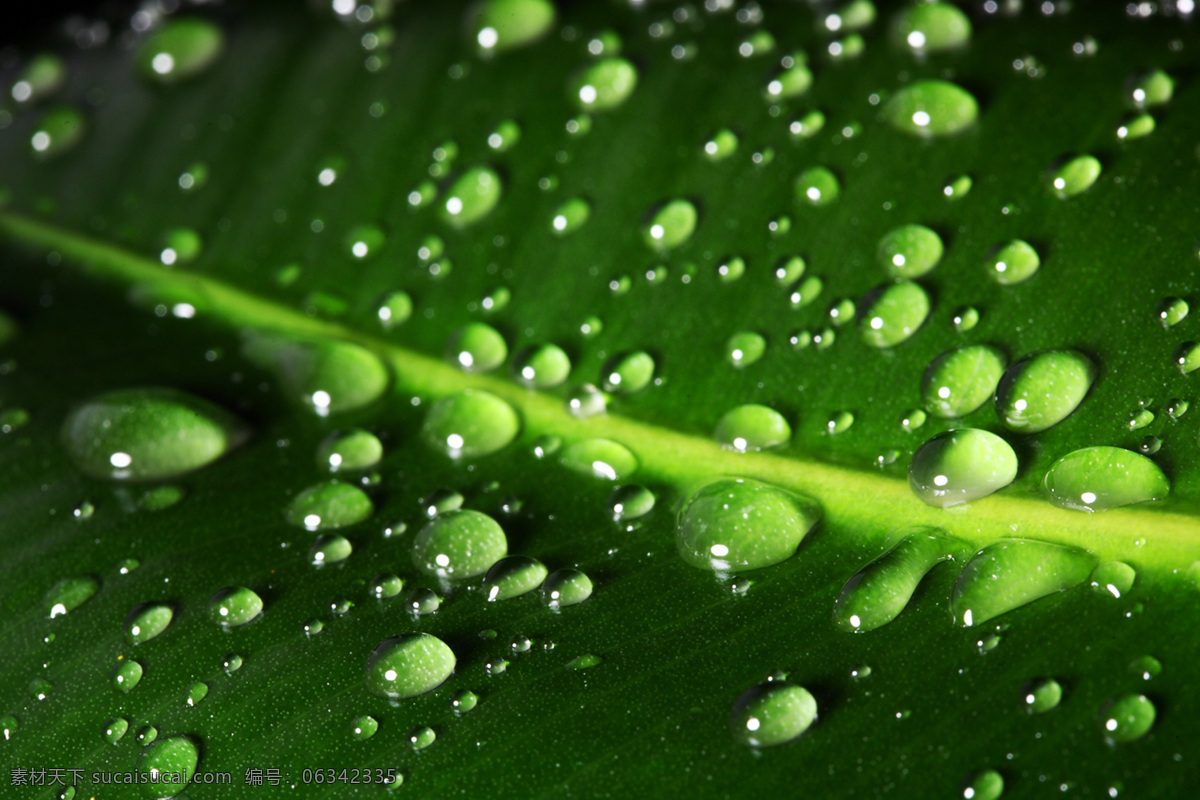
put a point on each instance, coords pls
(841, 312)
(312, 627)
(328, 505)
(477, 347)
(175, 755)
(394, 309)
(1140, 418)
(1113, 578)
(752, 427)
(408, 665)
(1041, 695)
(44, 75)
(329, 550)
(808, 290)
(147, 621)
(1013, 263)
(470, 424)
(878, 592)
(960, 381)
(463, 700)
(671, 225)
(1171, 311)
(909, 251)
(459, 544)
(807, 126)
(235, 606)
(960, 466)
(126, 675)
(931, 108)
(1099, 478)
(1127, 718)
(600, 458)
(570, 216)
(1012, 573)
(721, 146)
(1043, 389)
(933, 27)
(69, 594)
(1135, 127)
(1149, 89)
(1146, 667)
(57, 132)
(565, 587)
(196, 694)
(745, 348)
(501, 25)
(114, 729)
(734, 523)
(771, 714)
(231, 663)
(986, 784)
(1075, 176)
(892, 313)
(586, 400)
(513, 576)
(912, 420)
(421, 737)
(146, 735)
(789, 270)
(440, 501)
(471, 197)
(839, 422)
(504, 136)
(603, 85)
(586, 661)
(793, 80)
(629, 373)
(817, 186)
(965, 319)
(180, 49)
(957, 188)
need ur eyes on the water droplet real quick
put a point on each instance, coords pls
(629, 373)
(957, 188)
(421, 737)
(735, 523)
(349, 451)
(147, 621)
(114, 729)
(744, 348)
(83, 511)
(586, 661)
(931, 108)
(329, 505)
(40, 688)
(792, 81)
(148, 434)
(965, 319)
(146, 735)
(1177, 408)
(500, 25)
(600, 458)
(912, 420)
(470, 424)
(817, 186)
(586, 400)
(234, 606)
(57, 132)
(126, 675)
(731, 270)
(496, 666)
(44, 75)
(477, 347)
(671, 225)
(459, 544)
(329, 550)
(1043, 389)
(807, 126)
(513, 576)
(69, 594)
(880, 591)
(1149, 89)
(1135, 127)
(1146, 667)
(839, 422)
(1140, 419)
(603, 85)
(1012, 573)
(1171, 311)
(960, 466)
(463, 700)
(570, 216)
(1041, 695)
(394, 309)
(439, 501)
(771, 714)
(1075, 176)
(565, 587)
(986, 784)
(231, 663)
(196, 694)
(1099, 478)
(1127, 718)
(909, 251)
(176, 755)
(181, 48)
(931, 27)
(471, 197)
(960, 381)
(721, 146)
(808, 290)
(13, 419)
(1013, 263)
(892, 313)
(630, 502)
(325, 376)
(408, 665)
(1113, 578)
(841, 312)
(752, 428)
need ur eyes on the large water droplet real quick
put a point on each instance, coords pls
(959, 466)
(752, 428)
(148, 434)
(471, 197)
(147, 621)
(69, 594)
(771, 714)
(1013, 263)
(499, 25)
(234, 606)
(1075, 176)
(183, 47)
(931, 108)
(566, 587)
(325, 376)
(1099, 478)
(629, 373)
(329, 505)
(57, 132)
(168, 766)
(513, 576)
(909, 251)
(931, 27)
(459, 544)
(470, 424)
(735, 523)
(477, 347)
(671, 225)
(817, 186)
(600, 458)
(892, 313)
(880, 591)
(1011, 573)
(1041, 695)
(408, 665)
(603, 85)
(1043, 389)
(1127, 718)
(961, 380)
(349, 451)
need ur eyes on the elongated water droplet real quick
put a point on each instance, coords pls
(792, 81)
(912, 420)
(349, 451)
(180, 49)
(1013, 263)
(500, 25)
(629, 373)
(630, 502)
(931, 27)
(147, 621)
(69, 594)
(731, 270)
(146, 735)
(505, 136)
(880, 591)
(1171, 311)
(909, 251)
(408, 665)
(808, 290)
(721, 146)
(477, 347)
(586, 400)
(329, 550)
(586, 661)
(324, 376)
(839, 422)
(471, 197)
(394, 309)
(1099, 478)
(463, 700)
(892, 313)
(817, 186)
(745, 348)
(513, 576)
(671, 225)
(1043, 389)
(1187, 357)
(1149, 89)
(771, 714)
(1075, 176)
(441, 501)
(1041, 695)
(752, 428)
(114, 729)
(965, 319)
(57, 132)
(126, 675)
(176, 756)
(1136, 127)
(841, 312)
(234, 606)
(1140, 419)
(565, 587)
(422, 601)
(961, 380)
(421, 737)
(8, 726)
(1113, 578)
(1012, 573)
(603, 85)
(807, 126)
(459, 544)
(470, 424)
(329, 505)
(148, 434)
(600, 458)
(986, 784)
(960, 466)
(44, 75)
(931, 108)
(1127, 718)
(1146, 667)
(363, 728)
(570, 216)
(385, 586)
(196, 694)
(957, 188)
(735, 523)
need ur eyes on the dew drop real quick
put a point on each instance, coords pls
(909, 251)
(600, 458)
(329, 550)
(789, 270)
(501, 25)
(808, 290)
(1075, 176)
(394, 309)
(1041, 695)
(931, 108)
(912, 420)
(630, 502)
(1127, 718)
(750, 428)
(1099, 478)
(463, 700)
(1012, 573)
(349, 451)
(1149, 89)
(329, 505)
(421, 737)
(146, 735)
(231, 663)
(744, 348)
(892, 313)
(385, 586)
(960, 381)
(880, 591)
(471, 197)
(1013, 263)
(734, 523)
(570, 216)
(126, 675)
(175, 755)
(477, 347)
(1113, 578)
(513, 576)
(180, 49)
(629, 373)
(565, 587)
(817, 186)
(771, 714)
(69, 594)
(807, 126)
(328, 377)
(586, 400)
(957, 188)
(312, 627)
(234, 606)
(960, 466)
(44, 75)
(1146, 667)
(1135, 127)
(196, 694)
(459, 544)
(1171, 311)
(470, 424)
(58, 131)
(731, 270)
(114, 729)
(965, 319)
(721, 146)
(841, 312)
(931, 27)
(408, 665)
(441, 501)
(794, 80)
(985, 784)
(147, 621)
(603, 85)
(1043, 389)
(1187, 357)
(839, 422)
(671, 225)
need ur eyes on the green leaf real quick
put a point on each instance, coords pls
(327, 235)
